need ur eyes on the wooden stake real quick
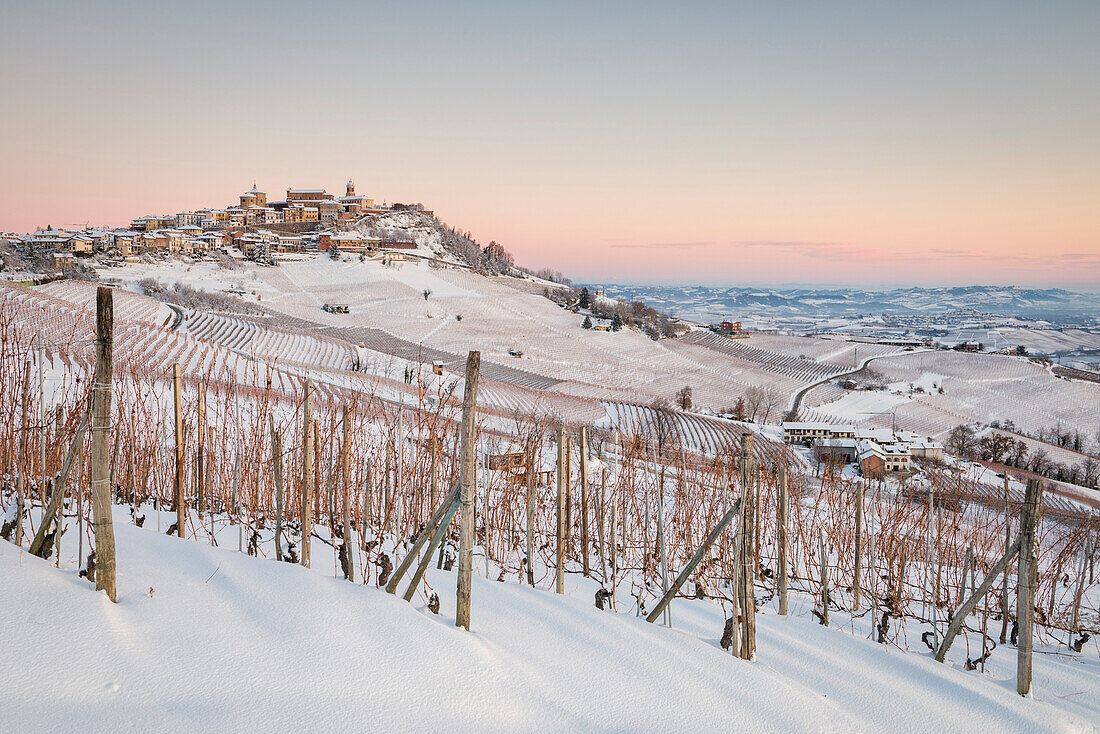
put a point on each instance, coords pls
(277, 464)
(102, 522)
(437, 538)
(20, 477)
(584, 499)
(559, 545)
(694, 562)
(824, 579)
(345, 479)
(1025, 599)
(421, 539)
(662, 543)
(531, 516)
(200, 473)
(601, 521)
(57, 498)
(1004, 580)
(307, 472)
(968, 606)
(467, 491)
(746, 575)
(179, 501)
(781, 536)
(859, 546)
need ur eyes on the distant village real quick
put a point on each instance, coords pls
(305, 220)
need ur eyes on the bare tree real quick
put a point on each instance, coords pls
(683, 398)
(769, 401)
(754, 398)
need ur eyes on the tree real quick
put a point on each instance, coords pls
(683, 398)
(769, 400)
(961, 440)
(739, 409)
(334, 252)
(616, 322)
(1017, 455)
(1090, 472)
(587, 322)
(427, 292)
(585, 299)
(754, 399)
(1021, 350)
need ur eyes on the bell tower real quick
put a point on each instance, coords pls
(351, 188)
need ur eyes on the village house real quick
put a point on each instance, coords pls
(189, 219)
(876, 460)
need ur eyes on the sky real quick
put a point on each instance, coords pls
(714, 143)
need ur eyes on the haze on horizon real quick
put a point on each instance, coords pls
(855, 143)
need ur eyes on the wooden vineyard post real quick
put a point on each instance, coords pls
(966, 607)
(746, 560)
(735, 576)
(277, 469)
(559, 544)
(42, 432)
(531, 516)
(57, 499)
(584, 499)
(428, 531)
(307, 472)
(345, 480)
(315, 490)
(433, 470)
(661, 541)
(102, 522)
(467, 491)
(437, 537)
(200, 474)
(756, 522)
(824, 578)
(781, 539)
(1025, 599)
(20, 480)
(601, 520)
(367, 499)
(568, 493)
(694, 562)
(859, 546)
(1004, 579)
(178, 499)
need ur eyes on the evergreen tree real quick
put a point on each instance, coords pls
(616, 322)
(587, 322)
(586, 299)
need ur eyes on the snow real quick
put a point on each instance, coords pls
(206, 638)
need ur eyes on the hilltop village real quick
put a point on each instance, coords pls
(305, 220)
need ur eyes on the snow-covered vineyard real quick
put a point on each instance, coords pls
(296, 434)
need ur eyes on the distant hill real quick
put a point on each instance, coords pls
(705, 303)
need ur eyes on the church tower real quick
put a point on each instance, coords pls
(351, 188)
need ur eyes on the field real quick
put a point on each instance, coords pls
(382, 443)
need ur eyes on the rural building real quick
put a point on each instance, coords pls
(805, 431)
(876, 460)
(922, 447)
(835, 450)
